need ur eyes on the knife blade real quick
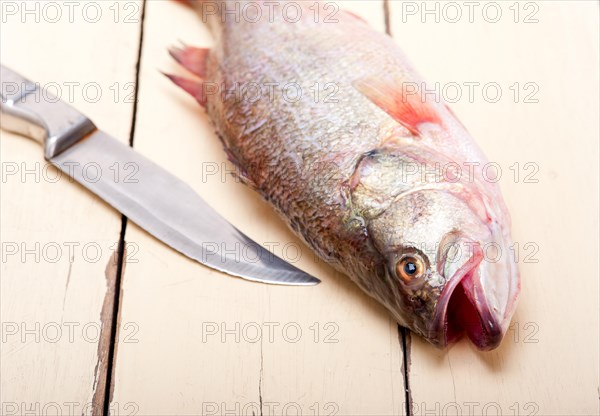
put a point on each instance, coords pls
(156, 200)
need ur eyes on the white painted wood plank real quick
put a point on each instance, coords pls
(57, 238)
(185, 362)
(548, 363)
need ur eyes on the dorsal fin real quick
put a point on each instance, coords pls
(194, 88)
(407, 109)
(191, 58)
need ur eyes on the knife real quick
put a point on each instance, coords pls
(157, 201)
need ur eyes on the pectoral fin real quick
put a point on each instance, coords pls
(406, 107)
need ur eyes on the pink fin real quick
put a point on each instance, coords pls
(407, 109)
(192, 59)
(356, 16)
(194, 88)
(185, 2)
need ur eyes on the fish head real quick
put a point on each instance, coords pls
(448, 269)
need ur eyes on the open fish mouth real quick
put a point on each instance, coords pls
(463, 309)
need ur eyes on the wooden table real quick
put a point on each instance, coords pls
(153, 333)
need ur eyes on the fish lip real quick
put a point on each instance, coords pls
(474, 316)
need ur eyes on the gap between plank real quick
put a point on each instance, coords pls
(403, 333)
(386, 16)
(404, 338)
(111, 363)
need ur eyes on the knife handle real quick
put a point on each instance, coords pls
(28, 110)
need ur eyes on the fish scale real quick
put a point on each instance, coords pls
(335, 169)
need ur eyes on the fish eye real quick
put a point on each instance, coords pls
(409, 268)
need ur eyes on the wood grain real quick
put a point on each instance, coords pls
(548, 362)
(194, 341)
(58, 240)
(213, 344)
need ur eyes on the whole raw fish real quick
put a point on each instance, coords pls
(326, 119)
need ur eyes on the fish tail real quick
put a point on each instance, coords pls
(192, 58)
